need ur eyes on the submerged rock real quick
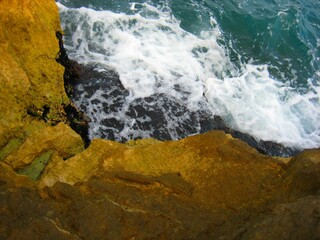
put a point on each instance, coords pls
(115, 116)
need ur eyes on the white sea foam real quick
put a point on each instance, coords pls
(152, 54)
(267, 109)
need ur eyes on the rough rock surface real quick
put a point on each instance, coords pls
(214, 161)
(210, 186)
(59, 138)
(31, 79)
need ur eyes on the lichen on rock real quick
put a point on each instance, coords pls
(35, 169)
(60, 138)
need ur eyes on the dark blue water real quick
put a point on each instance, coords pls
(264, 80)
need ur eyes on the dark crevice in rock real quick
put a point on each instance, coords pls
(40, 113)
(46, 110)
(78, 122)
(173, 182)
(77, 119)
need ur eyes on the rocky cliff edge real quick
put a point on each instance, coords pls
(209, 186)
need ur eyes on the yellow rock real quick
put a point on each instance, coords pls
(219, 171)
(29, 74)
(223, 171)
(147, 184)
(303, 174)
(82, 166)
(61, 139)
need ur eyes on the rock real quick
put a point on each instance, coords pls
(35, 169)
(43, 228)
(209, 186)
(60, 138)
(89, 211)
(303, 175)
(112, 199)
(82, 166)
(29, 74)
(24, 214)
(294, 221)
(234, 174)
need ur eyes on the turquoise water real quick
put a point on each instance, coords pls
(256, 62)
(284, 34)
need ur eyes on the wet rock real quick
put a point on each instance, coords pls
(116, 116)
(79, 122)
(163, 117)
(264, 147)
(93, 86)
(73, 74)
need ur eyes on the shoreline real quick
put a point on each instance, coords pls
(54, 186)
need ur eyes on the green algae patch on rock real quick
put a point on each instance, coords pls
(35, 169)
(12, 146)
(60, 138)
(82, 166)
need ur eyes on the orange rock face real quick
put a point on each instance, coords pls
(221, 171)
(29, 75)
(209, 186)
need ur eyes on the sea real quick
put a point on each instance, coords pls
(174, 65)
